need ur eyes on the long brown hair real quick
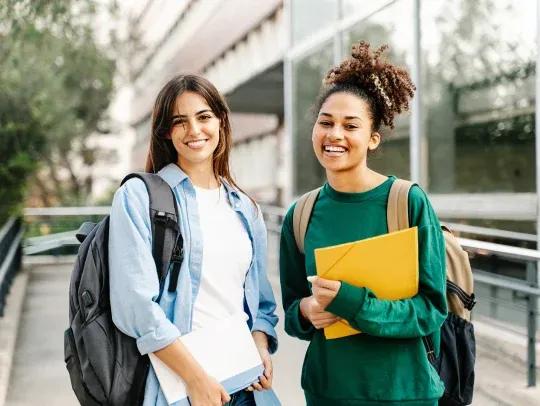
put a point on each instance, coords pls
(162, 151)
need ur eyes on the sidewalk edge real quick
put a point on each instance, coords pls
(9, 327)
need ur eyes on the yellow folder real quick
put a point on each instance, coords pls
(386, 264)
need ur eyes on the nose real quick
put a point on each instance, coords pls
(335, 134)
(193, 127)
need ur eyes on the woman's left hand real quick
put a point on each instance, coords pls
(265, 380)
(324, 290)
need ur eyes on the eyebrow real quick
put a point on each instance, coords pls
(346, 117)
(197, 113)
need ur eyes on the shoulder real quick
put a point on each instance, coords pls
(421, 211)
(250, 209)
(417, 196)
(132, 194)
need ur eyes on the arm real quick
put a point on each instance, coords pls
(202, 388)
(294, 285)
(415, 317)
(134, 284)
(266, 318)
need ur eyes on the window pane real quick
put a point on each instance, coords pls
(354, 7)
(310, 16)
(307, 78)
(392, 26)
(479, 94)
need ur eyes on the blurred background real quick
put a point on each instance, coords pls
(78, 80)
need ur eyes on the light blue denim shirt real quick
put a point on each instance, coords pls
(134, 285)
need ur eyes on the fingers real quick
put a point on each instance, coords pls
(225, 397)
(265, 382)
(324, 323)
(257, 386)
(318, 282)
(268, 368)
(327, 319)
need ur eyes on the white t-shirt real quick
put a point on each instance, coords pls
(227, 254)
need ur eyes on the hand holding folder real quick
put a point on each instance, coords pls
(225, 350)
(386, 264)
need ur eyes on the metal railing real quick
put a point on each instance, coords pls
(10, 256)
(528, 288)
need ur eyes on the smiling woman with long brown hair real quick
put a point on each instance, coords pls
(224, 268)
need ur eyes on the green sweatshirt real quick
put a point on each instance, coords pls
(386, 364)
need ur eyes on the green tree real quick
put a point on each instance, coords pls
(56, 82)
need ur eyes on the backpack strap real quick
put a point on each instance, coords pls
(301, 216)
(397, 212)
(167, 241)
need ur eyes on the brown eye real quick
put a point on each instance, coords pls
(205, 117)
(325, 123)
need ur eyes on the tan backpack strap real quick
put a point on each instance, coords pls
(301, 215)
(397, 212)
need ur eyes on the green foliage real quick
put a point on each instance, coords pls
(55, 85)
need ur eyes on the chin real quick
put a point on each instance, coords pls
(332, 165)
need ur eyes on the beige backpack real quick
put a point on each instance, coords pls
(459, 278)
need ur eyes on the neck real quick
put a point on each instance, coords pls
(355, 180)
(200, 174)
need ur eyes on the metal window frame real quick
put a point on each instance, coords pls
(418, 142)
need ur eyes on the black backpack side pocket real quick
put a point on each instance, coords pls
(73, 364)
(455, 363)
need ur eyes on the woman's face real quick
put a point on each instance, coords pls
(342, 134)
(195, 130)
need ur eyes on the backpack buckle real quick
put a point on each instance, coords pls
(470, 302)
(177, 255)
(431, 356)
(164, 217)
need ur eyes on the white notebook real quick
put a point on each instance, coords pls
(225, 350)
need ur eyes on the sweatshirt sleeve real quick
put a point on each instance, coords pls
(418, 316)
(134, 284)
(294, 285)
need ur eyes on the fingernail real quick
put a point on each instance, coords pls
(311, 278)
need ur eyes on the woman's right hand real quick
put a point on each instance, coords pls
(315, 313)
(206, 391)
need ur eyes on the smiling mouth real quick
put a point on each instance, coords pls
(334, 150)
(196, 144)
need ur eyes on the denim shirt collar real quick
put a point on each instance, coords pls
(174, 175)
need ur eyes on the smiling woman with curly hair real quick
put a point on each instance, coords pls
(387, 364)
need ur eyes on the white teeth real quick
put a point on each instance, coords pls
(331, 148)
(196, 144)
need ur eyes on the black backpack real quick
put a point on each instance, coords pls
(104, 364)
(455, 363)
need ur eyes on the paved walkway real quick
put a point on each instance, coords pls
(39, 376)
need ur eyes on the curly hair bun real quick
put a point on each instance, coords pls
(389, 87)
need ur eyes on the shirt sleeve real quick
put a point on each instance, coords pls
(134, 284)
(266, 319)
(418, 316)
(294, 285)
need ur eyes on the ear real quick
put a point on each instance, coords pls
(374, 141)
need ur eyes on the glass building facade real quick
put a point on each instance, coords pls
(474, 135)
(470, 137)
